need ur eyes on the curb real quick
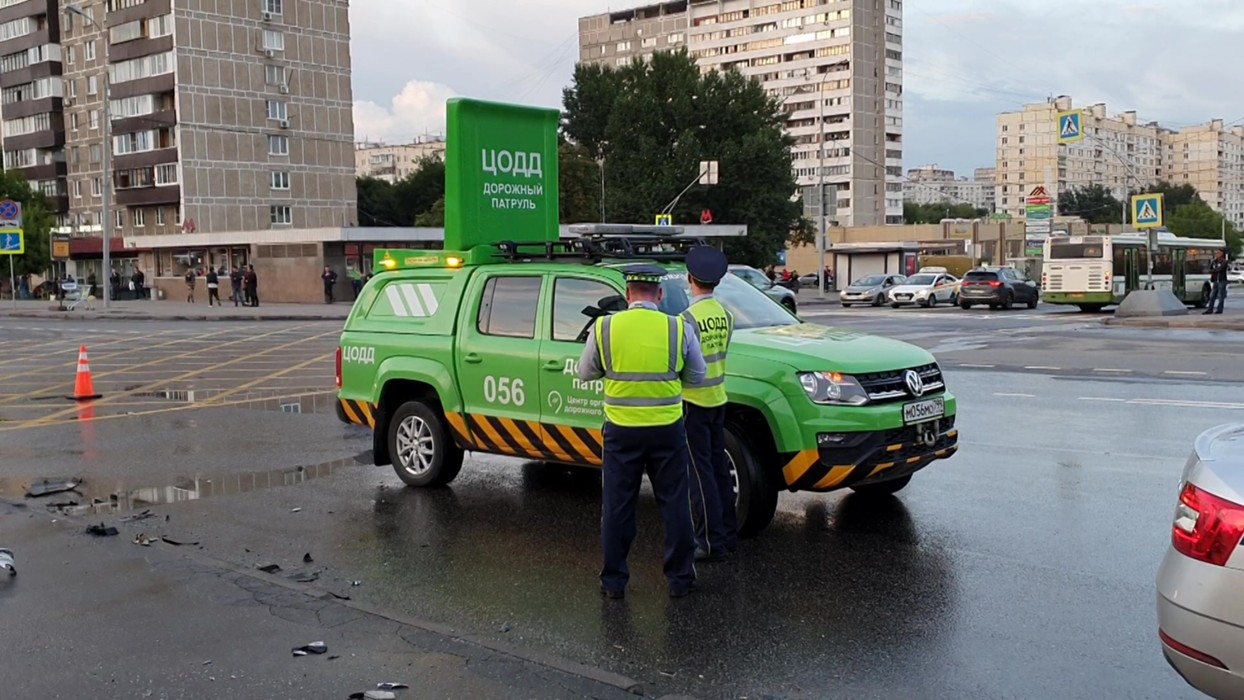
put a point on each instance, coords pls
(1175, 325)
(177, 317)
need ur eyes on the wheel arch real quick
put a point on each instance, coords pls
(408, 379)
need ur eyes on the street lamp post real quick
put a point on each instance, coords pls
(822, 232)
(105, 223)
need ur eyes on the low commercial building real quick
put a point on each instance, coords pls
(393, 162)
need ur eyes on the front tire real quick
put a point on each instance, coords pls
(1204, 300)
(789, 304)
(846, 305)
(1032, 302)
(964, 305)
(883, 488)
(881, 300)
(421, 448)
(757, 497)
(893, 305)
(1091, 308)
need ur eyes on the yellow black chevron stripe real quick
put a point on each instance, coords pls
(359, 412)
(528, 439)
(805, 472)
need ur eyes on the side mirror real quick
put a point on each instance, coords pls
(607, 305)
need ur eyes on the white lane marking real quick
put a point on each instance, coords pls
(1100, 398)
(966, 364)
(1042, 367)
(1022, 396)
(1106, 369)
(1187, 374)
(1186, 404)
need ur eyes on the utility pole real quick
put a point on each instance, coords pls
(822, 232)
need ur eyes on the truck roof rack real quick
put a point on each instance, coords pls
(597, 242)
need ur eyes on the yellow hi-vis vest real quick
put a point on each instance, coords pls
(714, 325)
(641, 351)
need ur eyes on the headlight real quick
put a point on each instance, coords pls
(833, 388)
(922, 293)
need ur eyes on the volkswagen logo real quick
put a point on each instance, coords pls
(914, 383)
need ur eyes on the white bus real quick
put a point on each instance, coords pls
(1093, 272)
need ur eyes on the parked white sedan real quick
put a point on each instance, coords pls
(926, 289)
(1200, 605)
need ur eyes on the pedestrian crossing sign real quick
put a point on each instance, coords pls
(665, 220)
(1071, 126)
(1147, 210)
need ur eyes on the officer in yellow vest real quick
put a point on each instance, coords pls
(712, 488)
(645, 356)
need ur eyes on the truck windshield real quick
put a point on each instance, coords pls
(751, 307)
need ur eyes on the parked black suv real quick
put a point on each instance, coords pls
(1000, 287)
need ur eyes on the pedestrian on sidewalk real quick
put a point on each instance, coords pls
(235, 281)
(251, 282)
(139, 281)
(330, 280)
(114, 284)
(91, 283)
(1218, 277)
(213, 287)
(190, 282)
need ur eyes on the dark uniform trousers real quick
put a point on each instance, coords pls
(661, 453)
(712, 488)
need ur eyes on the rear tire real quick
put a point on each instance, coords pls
(423, 452)
(964, 305)
(1091, 308)
(756, 495)
(884, 488)
(789, 304)
(1008, 302)
(1204, 300)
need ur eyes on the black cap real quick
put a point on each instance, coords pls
(644, 274)
(707, 264)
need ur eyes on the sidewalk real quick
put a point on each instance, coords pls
(1232, 319)
(148, 310)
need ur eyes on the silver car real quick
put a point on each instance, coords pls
(869, 290)
(1201, 580)
(761, 281)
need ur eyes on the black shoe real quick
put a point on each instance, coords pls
(1217, 312)
(705, 557)
(612, 595)
(1208, 312)
(683, 592)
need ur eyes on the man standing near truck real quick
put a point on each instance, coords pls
(644, 356)
(712, 488)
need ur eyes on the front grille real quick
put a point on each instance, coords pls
(885, 387)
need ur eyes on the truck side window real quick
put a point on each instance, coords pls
(570, 297)
(509, 307)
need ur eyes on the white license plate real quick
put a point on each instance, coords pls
(921, 411)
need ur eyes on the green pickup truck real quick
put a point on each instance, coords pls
(447, 352)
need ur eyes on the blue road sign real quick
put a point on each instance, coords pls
(1070, 126)
(1147, 210)
(12, 243)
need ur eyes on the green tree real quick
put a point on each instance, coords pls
(376, 204)
(418, 192)
(1095, 204)
(1198, 220)
(1173, 196)
(37, 222)
(654, 122)
(578, 176)
(934, 213)
(434, 217)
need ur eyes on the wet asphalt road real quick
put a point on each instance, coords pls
(1021, 567)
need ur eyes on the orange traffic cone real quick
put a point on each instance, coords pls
(84, 388)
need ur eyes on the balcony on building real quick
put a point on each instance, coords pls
(123, 11)
(147, 185)
(144, 148)
(42, 25)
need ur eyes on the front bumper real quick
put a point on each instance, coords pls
(871, 457)
(905, 299)
(1199, 607)
(857, 296)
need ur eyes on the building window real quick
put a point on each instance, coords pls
(277, 110)
(272, 7)
(166, 174)
(273, 41)
(92, 85)
(159, 216)
(77, 189)
(278, 145)
(144, 67)
(274, 75)
(280, 180)
(96, 187)
(281, 215)
(120, 218)
(73, 121)
(140, 219)
(94, 118)
(623, 46)
(70, 54)
(88, 50)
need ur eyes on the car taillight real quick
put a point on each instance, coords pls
(338, 367)
(995, 284)
(1207, 528)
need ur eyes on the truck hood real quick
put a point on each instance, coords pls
(813, 347)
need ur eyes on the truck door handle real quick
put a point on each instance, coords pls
(554, 365)
(473, 358)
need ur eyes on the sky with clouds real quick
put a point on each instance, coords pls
(1173, 61)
